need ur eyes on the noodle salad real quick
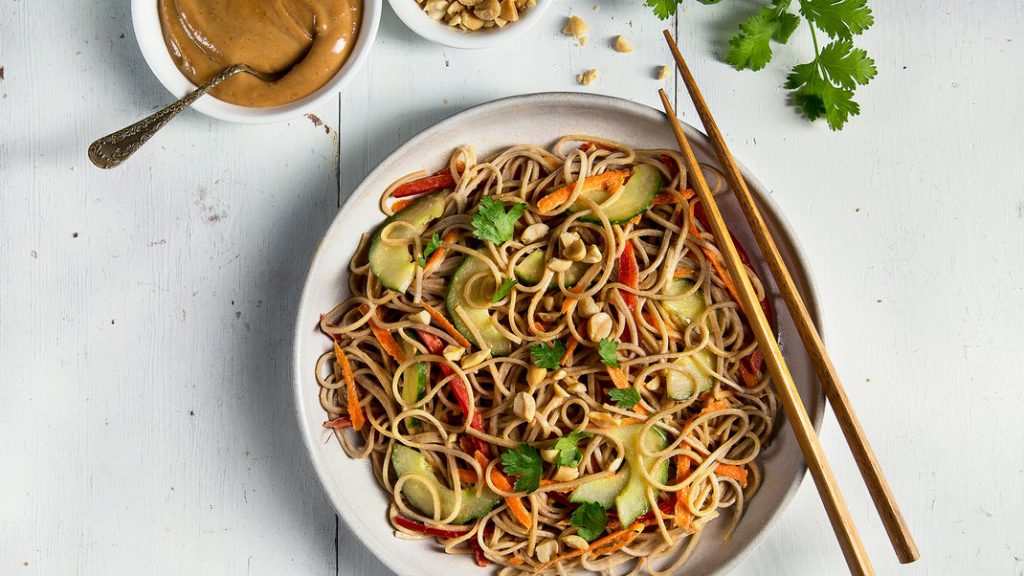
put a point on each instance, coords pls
(544, 359)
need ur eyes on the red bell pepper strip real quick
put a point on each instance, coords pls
(424, 185)
(670, 165)
(339, 423)
(628, 274)
(428, 530)
(436, 346)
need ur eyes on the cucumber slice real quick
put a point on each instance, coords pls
(531, 270)
(480, 317)
(408, 461)
(414, 378)
(626, 489)
(394, 265)
(696, 372)
(641, 188)
(602, 491)
(686, 309)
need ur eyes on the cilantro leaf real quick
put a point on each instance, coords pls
(492, 223)
(824, 86)
(846, 65)
(750, 48)
(591, 521)
(838, 18)
(626, 398)
(663, 8)
(432, 245)
(525, 463)
(568, 452)
(787, 25)
(549, 357)
(503, 290)
(608, 350)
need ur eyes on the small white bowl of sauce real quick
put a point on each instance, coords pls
(415, 15)
(321, 44)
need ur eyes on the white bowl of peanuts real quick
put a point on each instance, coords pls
(470, 24)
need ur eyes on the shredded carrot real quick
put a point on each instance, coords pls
(355, 412)
(607, 181)
(684, 272)
(500, 481)
(568, 301)
(714, 406)
(573, 343)
(402, 204)
(636, 219)
(539, 327)
(722, 273)
(439, 254)
(618, 377)
(387, 341)
(608, 545)
(515, 561)
(339, 423)
(663, 198)
(737, 472)
(446, 325)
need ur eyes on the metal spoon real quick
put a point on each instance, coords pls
(115, 148)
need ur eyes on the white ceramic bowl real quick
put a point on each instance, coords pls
(539, 119)
(148, 33)
(411, 12)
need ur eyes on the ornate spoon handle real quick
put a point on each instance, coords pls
(113, 149)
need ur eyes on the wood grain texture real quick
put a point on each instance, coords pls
(912, 220)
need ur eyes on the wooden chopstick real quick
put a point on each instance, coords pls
(842, 522)
(871, 471)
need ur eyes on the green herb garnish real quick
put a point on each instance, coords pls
(626, 398)
(493, 223)
(549, 357)
(591, 521)
(525, 463)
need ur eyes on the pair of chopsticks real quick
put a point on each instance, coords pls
(824, 480)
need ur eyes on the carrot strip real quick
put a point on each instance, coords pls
(606, 181)
(573, 343)
(722, 273)
(663, 198)
(355, 412)
(439, 254)
(387, 341)
(423, 185)
(402, 204)
(446, 325)
(684, 272)
(628, 274)
(566, 302)
(736, 472)
(607, 545)
(500, 481)
(714, 406)
(618, 377)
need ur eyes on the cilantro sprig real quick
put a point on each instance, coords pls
(549, 357)
(608, 350)
(432, 245)
(525, 463)
(626, 398)
(568, 450)
(823, 87)
(590, 521)
(493, 223)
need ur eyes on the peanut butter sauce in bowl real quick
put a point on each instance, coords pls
(317, 44)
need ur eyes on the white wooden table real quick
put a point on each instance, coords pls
(146, 420)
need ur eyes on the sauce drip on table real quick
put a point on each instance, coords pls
(309, 38)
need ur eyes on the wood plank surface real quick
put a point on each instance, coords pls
(146, 419)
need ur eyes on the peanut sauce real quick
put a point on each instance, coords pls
(311, 39)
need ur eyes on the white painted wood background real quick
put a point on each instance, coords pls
(146, 420)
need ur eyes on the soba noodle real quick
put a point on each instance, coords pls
(713, 438)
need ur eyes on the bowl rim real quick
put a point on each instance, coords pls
(770, 210)
(412, 15)
(149, 36)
